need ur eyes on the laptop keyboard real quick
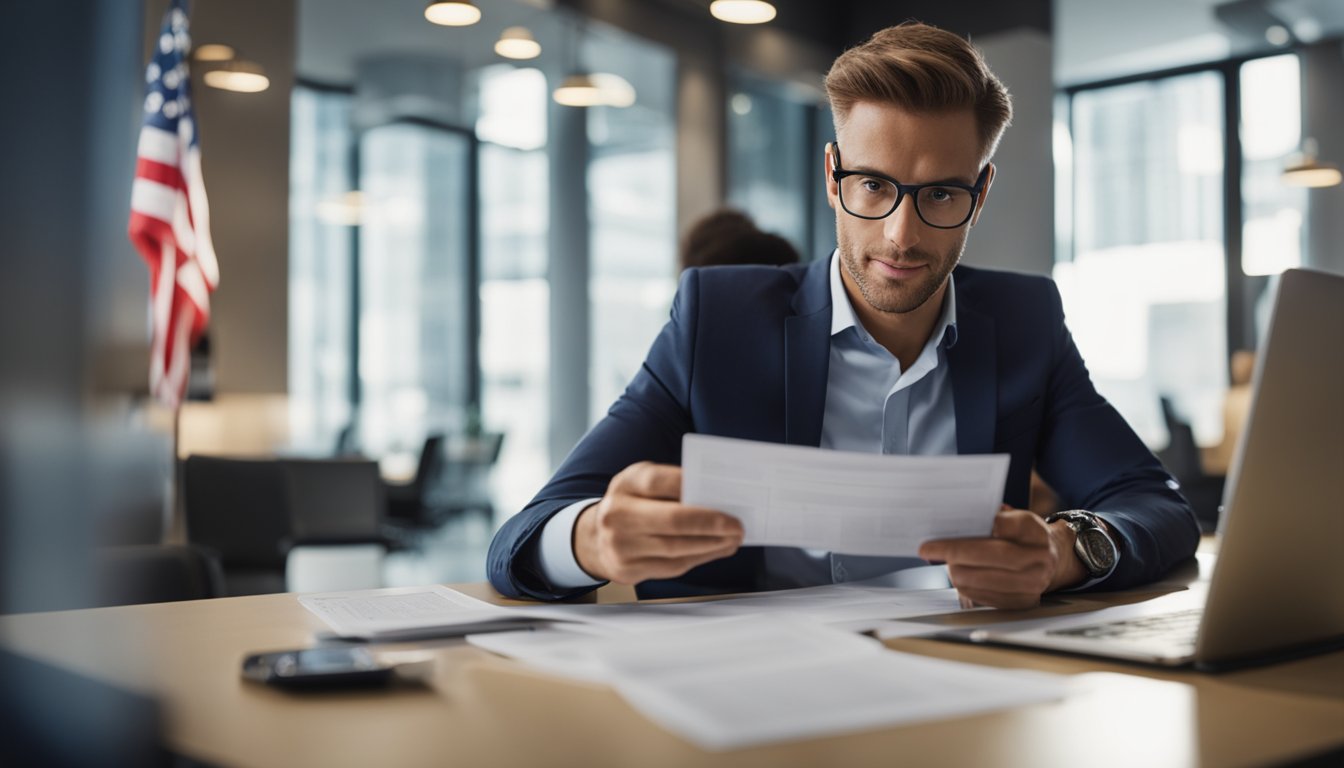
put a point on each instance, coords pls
(1179, 627)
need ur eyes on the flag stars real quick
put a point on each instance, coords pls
(153, 102)
(152, 72)
(166, 43)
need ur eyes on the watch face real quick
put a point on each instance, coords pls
(1100, 554)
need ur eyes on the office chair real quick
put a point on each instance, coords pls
(1181, 457)
(336, 510)
(466, 474)
(238, 509)
(407, 502)
(155, 573)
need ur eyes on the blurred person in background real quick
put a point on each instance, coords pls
(730, 237)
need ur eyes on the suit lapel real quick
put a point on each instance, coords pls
(971, 362)
(807, 344)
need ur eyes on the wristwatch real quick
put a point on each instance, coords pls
(1092, 544)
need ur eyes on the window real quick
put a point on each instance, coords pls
(631, 212)
(515, 295)
(416, 299)
(775, 171)
(1273, 214)
(322, 212)
(1145, 289)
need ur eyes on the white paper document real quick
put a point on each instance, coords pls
(410, 613)
(853, 503)
(742, 681)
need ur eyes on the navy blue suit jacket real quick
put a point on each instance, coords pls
(746, 355)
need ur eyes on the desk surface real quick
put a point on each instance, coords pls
(480, 709)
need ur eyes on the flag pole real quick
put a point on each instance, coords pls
(174, 529)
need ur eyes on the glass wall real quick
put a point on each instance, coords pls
(515, 295)
(323, 210)
(1144, 288)
(631, 211)
(768, 161)
(416, 308)
(1273, 214)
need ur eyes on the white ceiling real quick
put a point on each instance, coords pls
(335, 34)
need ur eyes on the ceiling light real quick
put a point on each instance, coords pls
(598, 89)
(1305, 170)
(742, 11)
(517, 43)
(578, 90)
(1277, 34)
(615, 90)
(212, 52)
(238, 75)
(453, 13)
(345, 210)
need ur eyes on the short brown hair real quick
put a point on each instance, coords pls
(923, 69)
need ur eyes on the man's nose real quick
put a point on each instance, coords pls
(902, 227)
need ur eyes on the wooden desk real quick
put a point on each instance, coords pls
(484, 710)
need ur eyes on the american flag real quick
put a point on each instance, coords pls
(170, 220)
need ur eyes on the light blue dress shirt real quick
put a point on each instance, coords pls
(872, 406)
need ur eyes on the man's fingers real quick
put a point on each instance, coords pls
(641, 545)
(989, 553)
(649, 480)
(1020, 525)
(1033, 580)
(669, 518)
(635, 571)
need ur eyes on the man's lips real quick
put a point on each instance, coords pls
(898, 270)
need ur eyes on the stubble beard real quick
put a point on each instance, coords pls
(886, 295)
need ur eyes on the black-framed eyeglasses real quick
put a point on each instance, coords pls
(871, 195)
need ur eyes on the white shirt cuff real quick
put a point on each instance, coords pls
(556, 553)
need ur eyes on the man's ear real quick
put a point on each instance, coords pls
(828, 165)
(984, 195)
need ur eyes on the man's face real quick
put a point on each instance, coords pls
(898, 263)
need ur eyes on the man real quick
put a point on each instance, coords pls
(888, 346)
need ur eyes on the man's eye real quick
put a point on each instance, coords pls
(938, 195)
(873, 185)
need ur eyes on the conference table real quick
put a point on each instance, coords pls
(481, 709)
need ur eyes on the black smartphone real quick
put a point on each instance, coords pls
(336, 667)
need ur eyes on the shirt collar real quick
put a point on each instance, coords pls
(843, 317)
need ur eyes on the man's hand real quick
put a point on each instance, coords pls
(1023, 558)
(640, 530)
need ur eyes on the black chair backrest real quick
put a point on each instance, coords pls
(156, 573)
(431, 462)
(1181, 456)
(238, 508)
(334, 499)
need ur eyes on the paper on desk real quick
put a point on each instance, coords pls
(852, 604)
(752, 680)
(855, 503)
(408, 613)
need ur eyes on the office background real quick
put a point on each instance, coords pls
(416, 239)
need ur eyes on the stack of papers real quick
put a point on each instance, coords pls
(410, 613)
(724, 673)
(437, 611)
(737, 682)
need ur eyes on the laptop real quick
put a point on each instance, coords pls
(1277, 588)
